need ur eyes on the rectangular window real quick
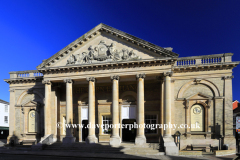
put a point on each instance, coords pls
(6, 108)
(5, 119)
(107, 121)
(150, 121)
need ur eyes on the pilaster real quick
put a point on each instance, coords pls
(12, 117)
(228, 113)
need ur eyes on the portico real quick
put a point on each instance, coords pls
(108, 77)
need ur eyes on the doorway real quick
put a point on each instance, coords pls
(128, 132)
(84, 130)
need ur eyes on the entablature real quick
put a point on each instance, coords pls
(108, 66)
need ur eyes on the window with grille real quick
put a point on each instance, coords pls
(5, 119)
(6, 108)
(150, 121)
(107, 121)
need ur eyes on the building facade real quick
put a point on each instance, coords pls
(4, 119)
(110, 77)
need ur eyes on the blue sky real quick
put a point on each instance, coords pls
(31, 31)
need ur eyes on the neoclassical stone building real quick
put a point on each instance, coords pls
(110, 77)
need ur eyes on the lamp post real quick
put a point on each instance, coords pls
(177, 138)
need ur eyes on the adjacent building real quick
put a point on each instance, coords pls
(4, 119)
(110, 77)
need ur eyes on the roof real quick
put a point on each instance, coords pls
(4, 102)
(105, 28)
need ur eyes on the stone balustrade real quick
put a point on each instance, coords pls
(208, 59)
(25, 74)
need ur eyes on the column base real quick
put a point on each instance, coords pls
(91, 139)
(170, 146)
(68, 140)
(115, 141)
(140, 140)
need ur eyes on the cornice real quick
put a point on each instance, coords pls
(107, 65)
(24, 80)
(204, 67)
(102, 28)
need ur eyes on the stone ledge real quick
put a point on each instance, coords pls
(190, 153)
(224, 152)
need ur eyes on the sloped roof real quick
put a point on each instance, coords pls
(105, 28)
(4, 102)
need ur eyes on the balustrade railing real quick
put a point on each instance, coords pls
(208, 59)
(25, 74)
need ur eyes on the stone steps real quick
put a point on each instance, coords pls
(124, 148)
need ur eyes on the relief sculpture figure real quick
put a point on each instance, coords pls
(71, 60)
(102, 52)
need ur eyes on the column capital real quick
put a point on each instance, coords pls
(11, 90)
(227, 77)
(115, 77)
(46, 82)
(91, 79)
(142, 75)
(68, 80)
(186, 103)
(165, 74)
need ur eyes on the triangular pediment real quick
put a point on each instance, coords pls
(106, 44)
(199, 95)
(30, 103)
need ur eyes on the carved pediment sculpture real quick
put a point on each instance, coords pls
(102, 52)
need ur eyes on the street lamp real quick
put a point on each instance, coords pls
(177, 138)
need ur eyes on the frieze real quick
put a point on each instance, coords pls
(106, 89)
(102, 52)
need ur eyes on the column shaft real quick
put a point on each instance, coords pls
(91, 111)
(69, 103)
(69, 111)
(115, 139)
(140, 139)
(167, 104)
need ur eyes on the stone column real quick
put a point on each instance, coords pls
(91, 111)
(228, 113)
(69, 111)
(140, 139)
(167, 103)
(115, 140)
(11, 117)
(47, 108)
(169, 144)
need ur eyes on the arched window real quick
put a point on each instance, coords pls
(197, 118)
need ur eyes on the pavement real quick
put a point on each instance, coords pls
(6, 154)
(11, 154)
